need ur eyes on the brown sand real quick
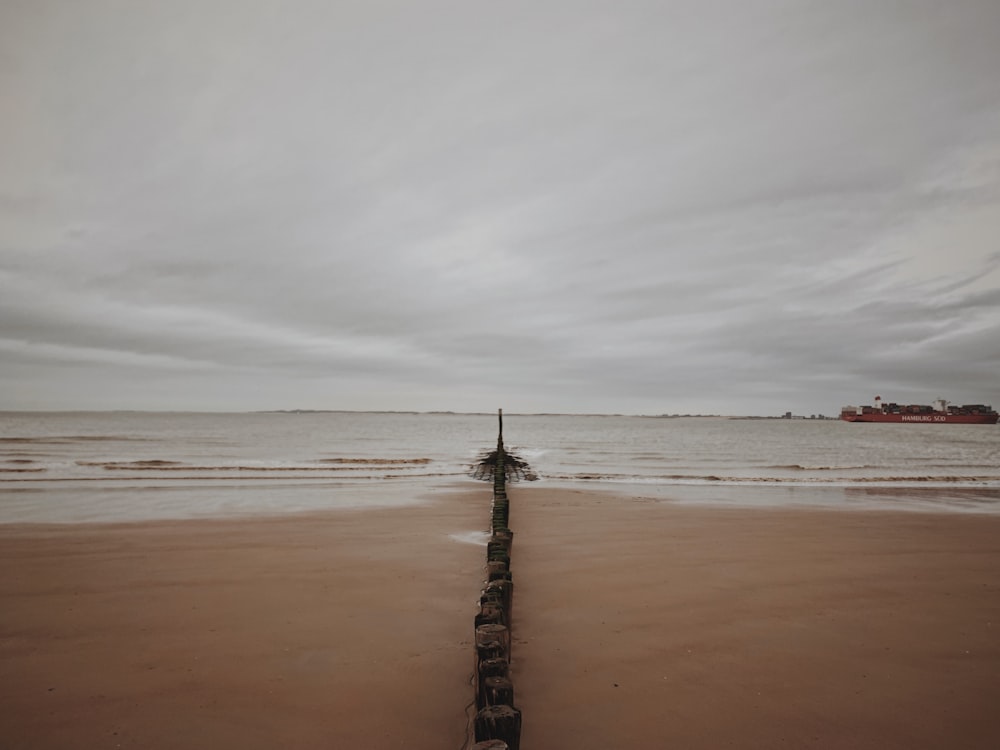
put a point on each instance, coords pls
(343, 630)
(646, 625)
(637, 624)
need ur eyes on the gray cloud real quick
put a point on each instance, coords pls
(645, 207)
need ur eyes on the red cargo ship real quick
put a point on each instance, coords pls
(940, 413)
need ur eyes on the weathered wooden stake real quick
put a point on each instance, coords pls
(494, 668)
(499, 723)
(490, 650)
(493, 633)
(497, 570)
(490, 613)
(498, 691)
(499, 555)
(505, 590)
(491, 745)
(493, 693)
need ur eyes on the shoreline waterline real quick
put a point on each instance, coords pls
(76, 504)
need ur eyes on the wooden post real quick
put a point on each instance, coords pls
(499, 470)
(497, 570)
(498, 691)
(500, 556)
(498, 544)
(505, 590)
(489, 694)
(493, 633)
(503, 535)
(490, 613)
(499, 723)
(494, 668)
(490, 650)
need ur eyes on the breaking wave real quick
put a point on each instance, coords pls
(800, 467)
(231, 477)
(376, 461)
(944, 479)
(71, 439)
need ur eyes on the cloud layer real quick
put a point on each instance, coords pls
(640, 207)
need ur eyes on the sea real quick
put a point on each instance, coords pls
(85, 467)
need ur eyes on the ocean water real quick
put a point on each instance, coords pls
(120, 466)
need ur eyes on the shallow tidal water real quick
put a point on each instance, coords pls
(121, 466)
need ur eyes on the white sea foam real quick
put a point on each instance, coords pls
(471, 537)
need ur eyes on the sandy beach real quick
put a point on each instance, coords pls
(637, 624)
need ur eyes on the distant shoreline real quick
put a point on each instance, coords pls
(409, 412)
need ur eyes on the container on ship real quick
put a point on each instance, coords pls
(941, 412)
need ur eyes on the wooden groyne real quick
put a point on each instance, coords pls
(497, 724)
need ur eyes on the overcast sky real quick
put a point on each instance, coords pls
(741, 207)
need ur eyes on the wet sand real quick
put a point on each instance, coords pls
(650, 625)
(637, 624)
(350, 629)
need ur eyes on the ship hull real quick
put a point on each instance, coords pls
(924, 418)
